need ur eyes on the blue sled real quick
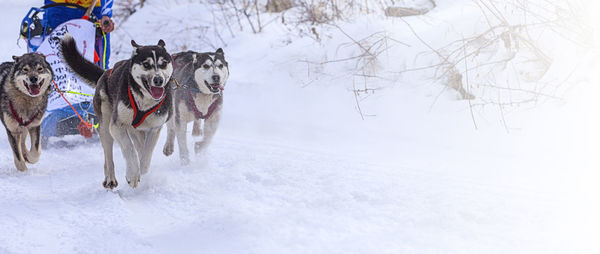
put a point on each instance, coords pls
(63, 121)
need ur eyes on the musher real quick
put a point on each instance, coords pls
(103, 11)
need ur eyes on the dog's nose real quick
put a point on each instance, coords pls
(33, 79)
(216, 78)
(157, 80)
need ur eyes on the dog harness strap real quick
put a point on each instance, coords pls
(18, 118)
(140, 116)
(213, 107)
(197, 113)
(192, 105)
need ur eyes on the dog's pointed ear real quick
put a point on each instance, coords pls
(220, 52)
(161, 43)
(16, 58)
(134, 44)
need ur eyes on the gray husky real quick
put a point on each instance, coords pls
(24, 89)
(202, 77)
(132, 102)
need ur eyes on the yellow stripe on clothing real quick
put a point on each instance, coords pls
(84, 3)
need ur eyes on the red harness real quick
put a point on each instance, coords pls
(197, 113)
(138, 116)
(18, 118)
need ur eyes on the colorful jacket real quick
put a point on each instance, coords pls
(58, 15)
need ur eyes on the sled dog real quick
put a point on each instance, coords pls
(132, 102)
(202, 78)
(24, 89)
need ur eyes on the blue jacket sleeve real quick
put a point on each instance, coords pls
(107, 8)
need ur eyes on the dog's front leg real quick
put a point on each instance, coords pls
(14, 139)
(110, 181)
(146, 153)
(138, 138)
(170, 143)
(197, 128)
(210, 128)
(121, 134)
(35, 151)
(23, 145)
(182, 142)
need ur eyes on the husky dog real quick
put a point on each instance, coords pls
(132, 102)
(24, 89)
(202, 78)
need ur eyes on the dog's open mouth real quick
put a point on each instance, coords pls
(34, 89)
(157, 91)
(215, 87)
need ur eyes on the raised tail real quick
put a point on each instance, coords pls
(85, 69)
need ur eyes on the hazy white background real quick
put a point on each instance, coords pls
(297, 167)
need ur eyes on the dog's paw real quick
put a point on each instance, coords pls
(110, 183)
(168, 149)
(185, 161)
(198, 147)
(21, 166)
(31, 157)
(133, 181)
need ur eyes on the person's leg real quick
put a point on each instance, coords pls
(107, 50)
(102, 48)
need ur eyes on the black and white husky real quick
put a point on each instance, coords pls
(24, 89)
(132, 102)
(202, 77)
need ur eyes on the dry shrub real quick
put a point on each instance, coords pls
(278, 5)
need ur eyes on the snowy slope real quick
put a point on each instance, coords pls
(294, 169)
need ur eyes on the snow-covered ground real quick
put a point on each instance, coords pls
(294, 168)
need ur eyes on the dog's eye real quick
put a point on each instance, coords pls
(25, 69)
(206, 66)
(147, 65)
(163, 65)
(40, 69)
(220, 66)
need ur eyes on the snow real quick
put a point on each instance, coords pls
(294, 168)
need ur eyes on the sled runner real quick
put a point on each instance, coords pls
(70, 110)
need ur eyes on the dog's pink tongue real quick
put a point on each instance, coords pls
(219, 86)
(156, 91)
(34, 89)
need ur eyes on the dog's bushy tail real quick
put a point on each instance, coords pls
(85, 69)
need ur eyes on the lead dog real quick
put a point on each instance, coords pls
(25, 85)
(132, 102)
(202, 77)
